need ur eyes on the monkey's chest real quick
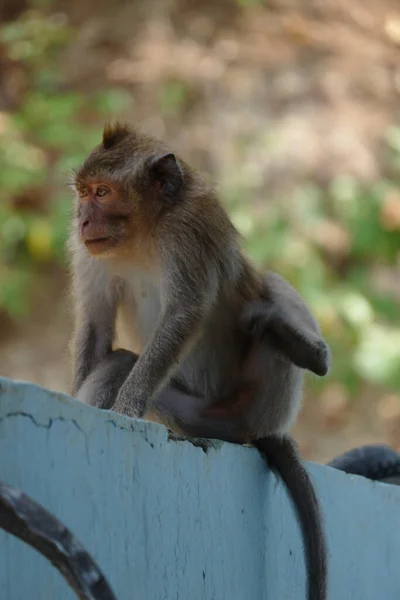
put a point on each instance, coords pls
(211, 366)
(139, 311)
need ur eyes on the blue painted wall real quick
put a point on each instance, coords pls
(166, 520)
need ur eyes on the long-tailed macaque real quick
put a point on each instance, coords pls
(221, 347)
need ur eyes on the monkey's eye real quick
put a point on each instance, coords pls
(102, 191)
(82, 193)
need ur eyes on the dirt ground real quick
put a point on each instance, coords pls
(323, 77)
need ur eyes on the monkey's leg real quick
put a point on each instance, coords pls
(195, 417)
(177, 410)
(101, 387)
(94, 333)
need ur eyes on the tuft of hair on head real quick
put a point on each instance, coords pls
(114, 133)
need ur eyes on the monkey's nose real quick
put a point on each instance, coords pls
(84, 225)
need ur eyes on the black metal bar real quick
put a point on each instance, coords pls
(26, 519)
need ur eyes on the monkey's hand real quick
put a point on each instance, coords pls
(137, 390)
(131, 399)
(154, 368)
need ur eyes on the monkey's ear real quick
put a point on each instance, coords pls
(293, 332)
(167, 175)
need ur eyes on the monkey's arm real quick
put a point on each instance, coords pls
(189, 296)
(93, 341)
(95, 314)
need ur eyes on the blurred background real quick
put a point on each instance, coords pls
(291, 106)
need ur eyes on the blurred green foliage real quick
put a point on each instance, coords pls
(245, 3)
(332, 244)
(172, 97)
(47, 131)
(329, 243)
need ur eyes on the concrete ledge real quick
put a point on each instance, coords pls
(167, 519)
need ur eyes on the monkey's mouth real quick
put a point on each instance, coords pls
(98, 244)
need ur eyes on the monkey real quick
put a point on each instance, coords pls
(154, 252)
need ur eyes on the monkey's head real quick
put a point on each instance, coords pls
(122, 190)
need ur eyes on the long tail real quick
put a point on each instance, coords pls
(282, 456)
